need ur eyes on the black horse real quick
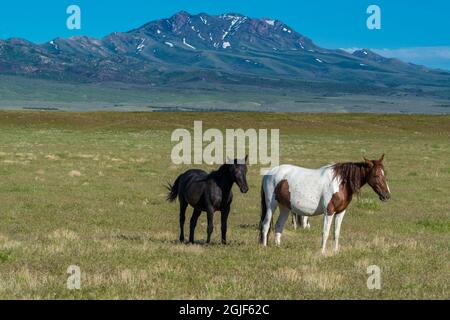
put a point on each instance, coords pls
(208, 192)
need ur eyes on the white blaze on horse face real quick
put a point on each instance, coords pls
(387, 186)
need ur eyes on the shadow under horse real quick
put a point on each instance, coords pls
(210, 193)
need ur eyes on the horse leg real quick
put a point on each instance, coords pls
(210, 218)
(337, 229)
(224, 220)
(327, 219)
(266, 222)
(305, 222)
(284, 214)
(193, 223)
(183, 206)
(294, 220)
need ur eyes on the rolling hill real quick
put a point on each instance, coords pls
(213, 53)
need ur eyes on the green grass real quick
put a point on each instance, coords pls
(21, 93)
(112, 219)
(435, 225)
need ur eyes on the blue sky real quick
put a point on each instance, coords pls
(414, 25)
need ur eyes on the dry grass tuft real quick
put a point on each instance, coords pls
(74, 173)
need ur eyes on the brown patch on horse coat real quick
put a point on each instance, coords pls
(340, 200)
(282, 194)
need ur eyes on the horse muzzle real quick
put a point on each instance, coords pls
(385, 197)
(244, 189)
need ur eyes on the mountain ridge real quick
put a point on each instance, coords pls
(226, 48)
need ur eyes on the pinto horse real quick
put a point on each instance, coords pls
(208, 192)
(308, 192)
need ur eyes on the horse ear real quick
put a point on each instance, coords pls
(382, 158)
(246, 158)
(369, 162)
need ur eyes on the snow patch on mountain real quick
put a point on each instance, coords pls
(187, 44)
(141, 46)
(54, 45)
(234, 20)
(224, 35)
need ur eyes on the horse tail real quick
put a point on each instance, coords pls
(173, 190)
(263, 214)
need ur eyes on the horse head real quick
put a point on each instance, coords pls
(376, 178)
(239, 173)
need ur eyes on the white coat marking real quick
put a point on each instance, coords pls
(310, 192)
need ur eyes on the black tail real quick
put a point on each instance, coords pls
(173, 190)
(263, 215)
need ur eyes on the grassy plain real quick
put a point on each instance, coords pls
(87, 189)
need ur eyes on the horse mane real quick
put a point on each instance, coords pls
(351, 174)
(223, 168)
(221, 171)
